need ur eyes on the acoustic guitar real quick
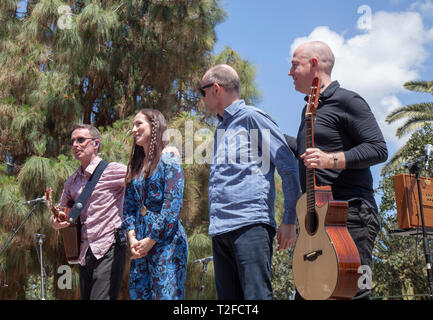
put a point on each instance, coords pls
(70, 235)
(325, 259)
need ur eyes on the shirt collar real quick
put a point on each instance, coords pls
(90, 168)
(329, 91)
(231, 110)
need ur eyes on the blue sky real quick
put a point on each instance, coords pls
(374, 60)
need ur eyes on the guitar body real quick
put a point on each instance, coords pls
(325, 259)
(71, 235)
(71, 241)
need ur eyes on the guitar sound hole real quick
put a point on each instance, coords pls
(311, 222)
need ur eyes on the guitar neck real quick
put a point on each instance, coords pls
(51, 205)
(310, 173)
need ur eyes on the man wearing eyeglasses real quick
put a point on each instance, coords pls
(248, 147)
(102, 252)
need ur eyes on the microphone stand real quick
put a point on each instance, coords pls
(205, 262)
(415, 168)
(41, 238)
(3, 282)
(14, 232)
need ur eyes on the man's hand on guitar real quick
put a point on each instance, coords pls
(315, 158)
(286, 236)
(57, 224)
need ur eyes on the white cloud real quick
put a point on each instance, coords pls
(379, 61)
(429, 36)
(388, 104)
(425, 8)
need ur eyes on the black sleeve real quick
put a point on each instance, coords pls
(293, 144)
(370, 147)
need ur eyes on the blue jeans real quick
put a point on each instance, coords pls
(242, 263)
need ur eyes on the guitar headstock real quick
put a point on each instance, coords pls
(48, 194)
(59, 212)
(313, 96)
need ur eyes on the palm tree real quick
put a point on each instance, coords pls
(417, 114)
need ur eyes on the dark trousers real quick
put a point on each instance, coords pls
(242, 263)
(101, 279)
(363, 224)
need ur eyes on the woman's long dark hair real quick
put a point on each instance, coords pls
(139, 162)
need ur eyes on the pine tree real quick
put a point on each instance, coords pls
(96, 62)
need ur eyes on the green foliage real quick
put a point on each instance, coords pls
(417, 115)
(410, 150)
(283, 284)
(116, 141)
(36, 173)
(200, 246)
(282, 276)
(33, 288)
(246, 71)
(398, 261)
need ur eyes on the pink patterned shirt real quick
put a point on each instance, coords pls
(103, 211)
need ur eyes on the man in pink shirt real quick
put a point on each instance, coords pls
(102, 252)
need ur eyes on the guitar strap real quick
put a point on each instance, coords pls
(86, 193)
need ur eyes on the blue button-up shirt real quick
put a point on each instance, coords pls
(248, 146)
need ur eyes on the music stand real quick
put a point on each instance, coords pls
(415, 168)
(412, 232)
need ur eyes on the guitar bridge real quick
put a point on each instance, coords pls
(312, 255)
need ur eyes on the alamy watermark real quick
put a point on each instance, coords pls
(365, 20)
(65, 279)
(365, 280)
(64, 282)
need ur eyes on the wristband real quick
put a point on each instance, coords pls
(335, 160)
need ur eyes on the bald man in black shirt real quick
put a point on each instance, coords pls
(347, 142)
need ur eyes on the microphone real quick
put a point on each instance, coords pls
(428, 150)
(35, 200)
(204, 260)
(414, 162)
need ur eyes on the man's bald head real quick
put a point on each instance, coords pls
(319, 50)
(225, 76)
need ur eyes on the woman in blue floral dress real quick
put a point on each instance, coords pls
(153, 200)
